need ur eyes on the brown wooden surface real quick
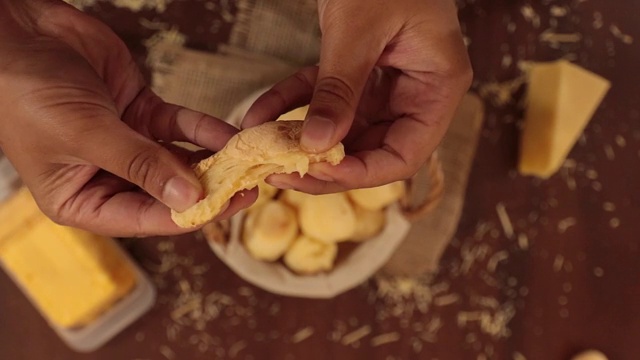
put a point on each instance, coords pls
(571, 290)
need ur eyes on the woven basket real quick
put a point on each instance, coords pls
(360, 262)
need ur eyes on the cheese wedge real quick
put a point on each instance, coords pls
(247, 159)
(561, 99)
(72, 276)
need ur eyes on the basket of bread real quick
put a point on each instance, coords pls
(296, 244)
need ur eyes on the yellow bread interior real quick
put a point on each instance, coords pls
(247, 159)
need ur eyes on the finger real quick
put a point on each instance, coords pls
(121, 214)
(104, 207)
(113, 63)
(308, 183)
(119, 150)
(239, 201)
(289, 94)
(156, 119)
(349, 51)
(405, 147)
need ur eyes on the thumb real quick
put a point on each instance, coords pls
(347, 57)
(146, 163)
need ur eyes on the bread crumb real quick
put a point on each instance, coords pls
(558, 263)
(608, 151)
(523, 241)
(558, 11)
(565, 224)
(598, 272)
(608, 206)
(614, 223)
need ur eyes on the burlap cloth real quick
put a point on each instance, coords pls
(272, 39)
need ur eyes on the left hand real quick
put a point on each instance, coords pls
(91, 141)
(390, 77)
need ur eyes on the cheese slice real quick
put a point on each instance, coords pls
(561, 99)
(72, 276)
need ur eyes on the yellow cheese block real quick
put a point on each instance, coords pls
(561, 100)
(72, 276)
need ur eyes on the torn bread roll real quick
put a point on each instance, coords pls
(248, 158)
(376, 198)
(269, 230)
(328, 218)
(310, 256)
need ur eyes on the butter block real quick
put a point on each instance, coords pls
(561, 99)
(71, 275)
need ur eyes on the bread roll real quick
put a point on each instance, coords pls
(248, 158)
(328, 218)
(369, 223)
(377, 198)
(309, 256)
(269, 230)
(294, 198)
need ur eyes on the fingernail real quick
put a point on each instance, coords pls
(180, 194)
(317, 134)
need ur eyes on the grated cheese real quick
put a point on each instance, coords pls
(356, 335)
(507, 227)
(385, 339)
(302, 334)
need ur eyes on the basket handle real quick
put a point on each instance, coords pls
(435, 181)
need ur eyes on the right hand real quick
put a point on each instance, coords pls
(390, 78)
(86, 133)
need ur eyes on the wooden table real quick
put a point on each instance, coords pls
(568, 280)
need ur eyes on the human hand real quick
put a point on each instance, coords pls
(390, 77)
(84, 131)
